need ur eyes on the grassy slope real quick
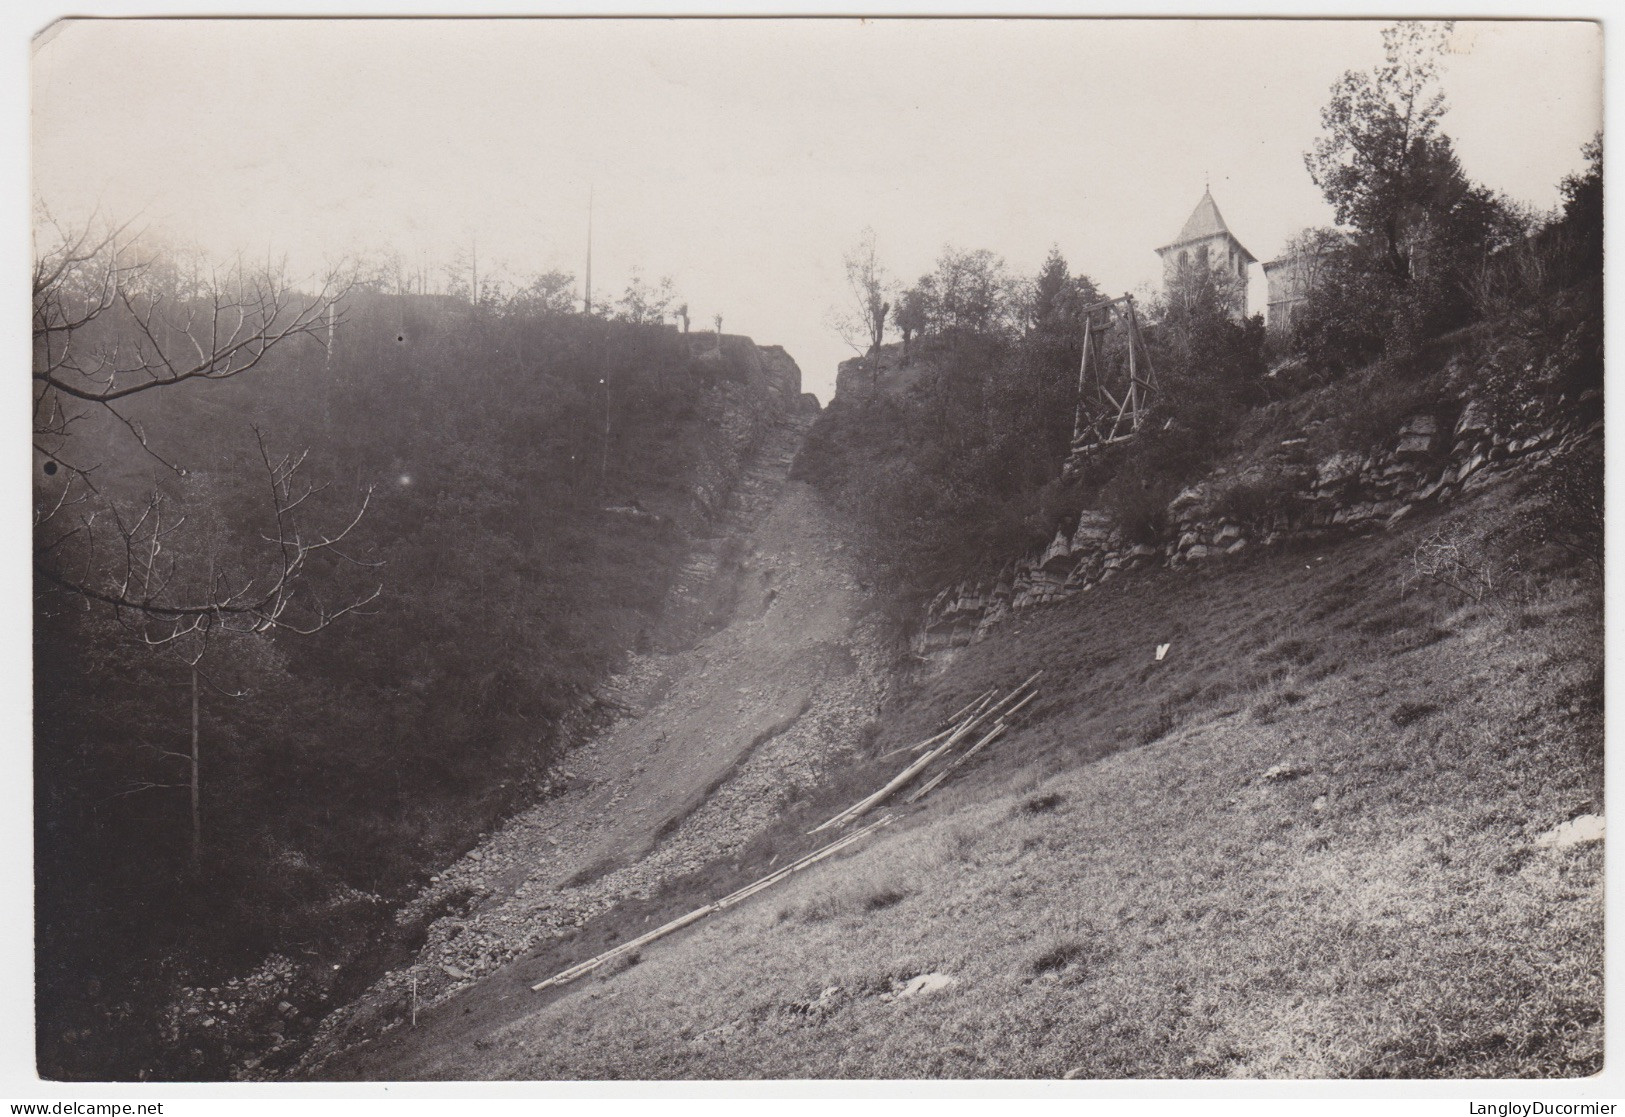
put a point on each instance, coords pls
(1118, 891)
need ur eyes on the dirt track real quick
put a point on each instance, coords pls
(718, 735)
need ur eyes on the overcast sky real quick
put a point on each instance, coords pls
(743, 157)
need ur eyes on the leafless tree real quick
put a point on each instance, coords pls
(192, 656)
(129, 563)
(197, 329)
(861, 322)
(1462, 564)
(109, 326)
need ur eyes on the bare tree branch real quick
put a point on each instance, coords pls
(108, 327)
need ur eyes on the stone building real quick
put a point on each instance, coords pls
(1207, 242)
(1293, 274)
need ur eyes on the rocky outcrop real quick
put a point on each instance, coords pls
(784, 375)
(752, 387)
(1290, 494)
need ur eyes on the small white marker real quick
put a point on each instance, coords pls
(1162, 650)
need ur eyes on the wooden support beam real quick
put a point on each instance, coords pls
(1100, 411)
(925, 788)
(972, 716)
(908, 773)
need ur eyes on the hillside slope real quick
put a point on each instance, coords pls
(1319, 839)
(717, 735)
(550, 494)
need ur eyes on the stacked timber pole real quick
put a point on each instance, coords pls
(564, 977)
(984, 710)
(998, 728)
(973, 718)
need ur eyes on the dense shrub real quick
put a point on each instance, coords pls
(1258, 497)
(1571, 505)
(1421, 233)
(1345, 320)
(962, 471)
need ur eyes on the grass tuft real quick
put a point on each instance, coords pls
(1156, 727)
(1385, 624)
(618, 965)
(1039, 804)
(883, 897)
(1407, 713)
(1058, 956)
(1290, 651)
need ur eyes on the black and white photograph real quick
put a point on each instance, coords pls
(808, 550)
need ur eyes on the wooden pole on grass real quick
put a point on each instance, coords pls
(914, 769)
(564, 977)
(998, 727)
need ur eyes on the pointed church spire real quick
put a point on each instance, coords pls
(1204, 223)
(1206, 242)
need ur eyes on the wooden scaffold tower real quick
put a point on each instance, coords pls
(1115, 377)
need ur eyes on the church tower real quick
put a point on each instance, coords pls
(1207, 242)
